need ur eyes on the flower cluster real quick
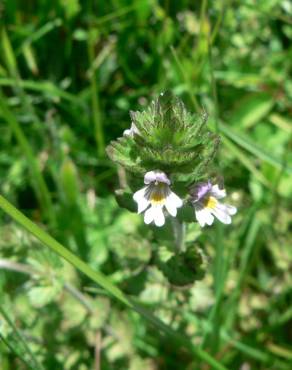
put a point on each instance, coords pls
(172, 149)
(157, 195)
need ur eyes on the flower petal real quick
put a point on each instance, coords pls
(139, 197)
(149, 216)
(173, 202)
(231, 209)
(142, 205)
(201, 190)
(158, 216)
(204, 217)
(162, 177)
(128, 132)
(222, 214)
(227, 208)
(132, 131)
(149, 177)
(209, 218)
(217, 192)
(153, 176)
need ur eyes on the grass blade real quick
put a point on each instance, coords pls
(246, 162)
(42, 87)
(95, 99)
(243, 141)
(13, 350)
(20, 338)
(37, 179)
(103, 281)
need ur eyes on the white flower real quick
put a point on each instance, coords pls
(132, 131)
(156, 194)
(206, 203)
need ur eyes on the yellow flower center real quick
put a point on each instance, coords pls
(210, 202)
(158, 194)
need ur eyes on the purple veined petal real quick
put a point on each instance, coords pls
(206, 203)
(227, 208)
(149, 177)
(162, 177)
(222, 215)
(217, 192)
(201, 190)
(153, 176)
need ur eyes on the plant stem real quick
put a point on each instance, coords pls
(179, 230)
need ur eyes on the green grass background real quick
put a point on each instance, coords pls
(70, 71)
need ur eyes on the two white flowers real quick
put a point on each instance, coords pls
(157, 199)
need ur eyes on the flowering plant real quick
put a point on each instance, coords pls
(171, 151)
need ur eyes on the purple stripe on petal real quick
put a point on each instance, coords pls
(153, 176)
(201, 190)
(161, 177)
(149, 177)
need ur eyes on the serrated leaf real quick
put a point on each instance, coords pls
(124, 152)
(169, 138)
(184, 268)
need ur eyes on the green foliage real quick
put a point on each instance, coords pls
(169, 138)
(70, 72)
(184, 268)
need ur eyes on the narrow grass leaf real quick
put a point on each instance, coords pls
(246, 162)
(103, 281)
(42, 87)
(243, 141)
(251, 110)
(37, 179)
(13, 350)
(21, 339)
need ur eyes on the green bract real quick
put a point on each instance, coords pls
(170, 139)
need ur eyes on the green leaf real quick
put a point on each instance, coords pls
(124, 199)
(251, 110)
(71, 7)
(40, 296)
(104, 282)
(169, 138)
(184, 268)
(125, 152)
